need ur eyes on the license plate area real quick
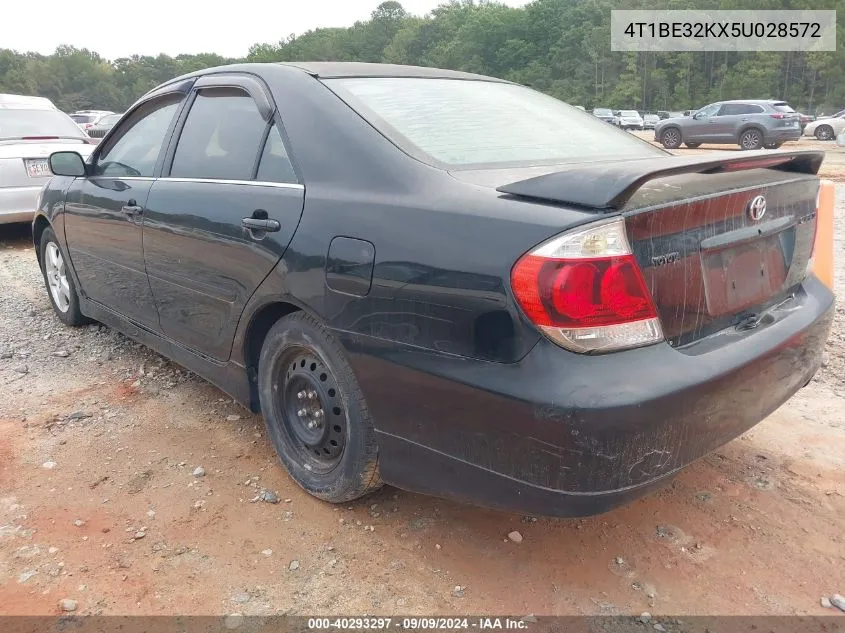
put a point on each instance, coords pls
(37, 167)
(744, 275)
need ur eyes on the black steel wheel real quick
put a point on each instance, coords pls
(315, 413)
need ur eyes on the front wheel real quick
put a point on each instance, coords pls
(824, 132)
(315, 412)
(751, 139)
(671, 138)
(59, 281)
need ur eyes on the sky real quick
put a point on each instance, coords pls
(149, 27)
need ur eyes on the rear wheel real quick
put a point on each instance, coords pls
(750, 139)
(315, 412)
(59, 281)
(824, 132)
(692, 145)
(670, 138)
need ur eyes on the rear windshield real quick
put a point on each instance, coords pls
(782, 107)
(460, 123)
(83, 118)
(602, 112)
(17, 124)
(630, 113)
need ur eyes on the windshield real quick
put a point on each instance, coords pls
(652, 117)
(783, 107)
(83, 118)
(16, 124)
(482, 123)
(632, 113)
(602, 112)
(109, 119)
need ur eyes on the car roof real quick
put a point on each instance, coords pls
(337, 70)
(25, 102)
(754, 101)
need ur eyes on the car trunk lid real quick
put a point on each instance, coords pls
(719, 241)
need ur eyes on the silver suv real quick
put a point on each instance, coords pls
(750, 124)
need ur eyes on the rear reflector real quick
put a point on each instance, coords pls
(585, 291)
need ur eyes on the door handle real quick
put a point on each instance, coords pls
(255, 224)
(132, 208)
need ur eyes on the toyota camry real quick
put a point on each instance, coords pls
(443, 281)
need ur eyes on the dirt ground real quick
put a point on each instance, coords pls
(100, 439)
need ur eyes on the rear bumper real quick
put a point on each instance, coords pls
(778, 136)
(565, 434)
(18, 204)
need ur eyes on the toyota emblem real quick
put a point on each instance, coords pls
(757, 208)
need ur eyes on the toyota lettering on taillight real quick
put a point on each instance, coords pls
(585, 291)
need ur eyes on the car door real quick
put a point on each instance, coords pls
(222, 214)
(698, 127)
(725, 125)
(104, 211)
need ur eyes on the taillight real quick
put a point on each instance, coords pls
(778, 116)
(585, 291)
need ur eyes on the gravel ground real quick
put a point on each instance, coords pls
(130, 486)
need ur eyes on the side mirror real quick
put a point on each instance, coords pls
(67, 164)
(698, 115)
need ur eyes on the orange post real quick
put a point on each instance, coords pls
(823, 255)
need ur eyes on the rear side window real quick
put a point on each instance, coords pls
(783, 107)
(464, 123)
(275, 165)
(221, 137)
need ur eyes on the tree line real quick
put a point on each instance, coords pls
(561, 47)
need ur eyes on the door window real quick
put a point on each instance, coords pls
(709, 111)
(134, 148)
(275, 165)
(221, 138)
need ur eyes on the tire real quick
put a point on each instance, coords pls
(302, 367)
(59, 281)
(751, 139)
(670, 138)
(824, 133)
(772, 145)
(692, 145)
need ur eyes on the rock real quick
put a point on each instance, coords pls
(233, 418)
(22, 369)
(294, 565)
(53, 550)
(26, 575)
(619, 560)
(78, 415)
(268, 496)
(400, 602)
(645, 616)
(458, 591)
(838, 601)
(49, 465)
(199, 471)
(515, 536)
(825, 359)
(659, 627)
(140, 534)
(6, 355)
(79, 522)
(267, 553)
(62, 353)
(66, 604)
(825, 602)
(242, 597)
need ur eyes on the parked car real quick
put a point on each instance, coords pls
(665, 114)
(101, 127)
(827, 128)
(573, 318)
(31, 128)
(629, 120)
(605, 114)
(750, 124)
(650, 120)
(805, 119)
(86, 119)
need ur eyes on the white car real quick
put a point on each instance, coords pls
(629, 120)
(88, 118)
(31, 128)
(827, 128)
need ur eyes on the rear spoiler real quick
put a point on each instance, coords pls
(609, 185)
